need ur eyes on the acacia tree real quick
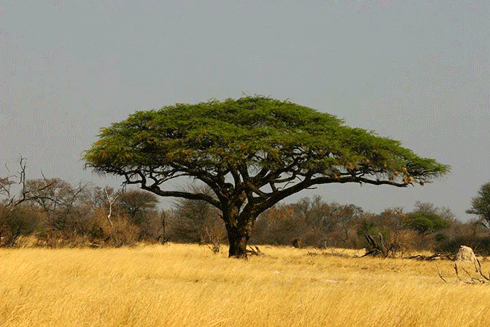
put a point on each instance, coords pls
(252, 152)
(480, 205)
(426, 223)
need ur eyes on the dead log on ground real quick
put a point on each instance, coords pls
(435, 256)
(480, 279)
(376, 248)
(254, 250)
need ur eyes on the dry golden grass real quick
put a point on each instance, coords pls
(187, 285)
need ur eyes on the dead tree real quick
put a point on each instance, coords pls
(481, 278)
(376, 248)
(26, 193)
(110, 202)
(12, 223)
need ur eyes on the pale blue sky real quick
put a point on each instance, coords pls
(417, 71)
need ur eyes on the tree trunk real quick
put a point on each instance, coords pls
(238, 245)
(238, 235)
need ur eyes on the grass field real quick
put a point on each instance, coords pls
(188, 285)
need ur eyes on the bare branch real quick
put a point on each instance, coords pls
(471, 279)
(440, 275)
(111, 202)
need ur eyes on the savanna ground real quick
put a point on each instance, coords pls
(188, 285)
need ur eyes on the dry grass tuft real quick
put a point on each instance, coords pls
(188, 285)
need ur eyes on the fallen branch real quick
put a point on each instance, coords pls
(435, 256)
(377, 248)
(254, 251)
(214, 247)
(471, 279)
(330, 254)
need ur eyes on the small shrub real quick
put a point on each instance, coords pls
(20, 221)
(480, 245)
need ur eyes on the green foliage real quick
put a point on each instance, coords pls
(441, 237)
(480, 205)
(367, 226)
(426, 223)
(256, 131)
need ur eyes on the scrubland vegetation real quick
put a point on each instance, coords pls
(53, 213)
(188, 285)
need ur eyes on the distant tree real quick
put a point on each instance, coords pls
(480, 205)
(53, 194)
(16, 218)
(252, 152)
(65, 206)
(195, 220)
(281, 224)
(137, 205)
(326, 224)
(426, 223)
(397, 236)
(10, 201)
(425, 207)
(20, 221)
(315, 213)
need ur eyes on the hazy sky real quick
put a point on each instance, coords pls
(413, 70)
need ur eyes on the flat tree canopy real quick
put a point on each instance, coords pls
(252, 152)
(426, 223)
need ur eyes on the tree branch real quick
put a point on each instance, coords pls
(185, 195)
